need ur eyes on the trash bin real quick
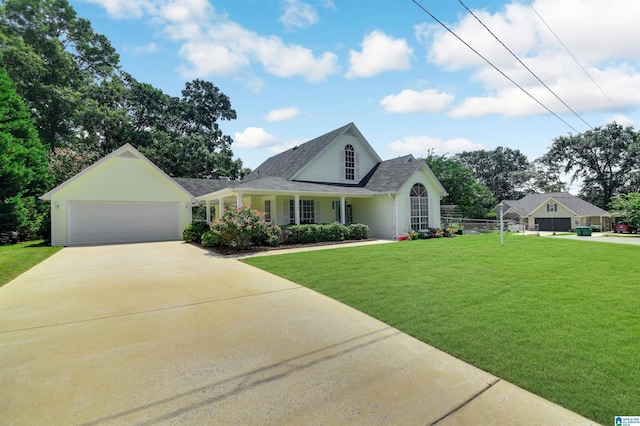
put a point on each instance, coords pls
(583, 231)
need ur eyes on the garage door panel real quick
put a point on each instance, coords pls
(555, 224)
(109, 223)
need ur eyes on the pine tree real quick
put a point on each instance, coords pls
(23, 165)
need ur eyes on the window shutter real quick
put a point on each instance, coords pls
(356, 158)
(407, 216)
(341, 165)
(285, 212)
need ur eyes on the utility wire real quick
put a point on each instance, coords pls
(494, 67)
(570, 54)
(523, 64)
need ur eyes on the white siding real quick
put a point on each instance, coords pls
(404, 219)
(377, 213)
(327, 167)
(120, 180)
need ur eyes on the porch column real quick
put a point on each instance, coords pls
(220, 207)
(343, 210)
(296, 208)
(208, 211)
(238, 200)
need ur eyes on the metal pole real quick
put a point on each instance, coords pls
(501, 226)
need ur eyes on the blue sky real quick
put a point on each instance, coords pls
(297, 69)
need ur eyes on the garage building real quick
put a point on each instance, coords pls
(123, 198)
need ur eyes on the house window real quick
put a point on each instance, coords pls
(267, 211)
(307, 211)
(349, 162)
(419, 207)
(552, 207)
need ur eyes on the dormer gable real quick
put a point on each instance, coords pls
(346, 159)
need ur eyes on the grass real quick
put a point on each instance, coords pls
(560, 318)
(18, 258)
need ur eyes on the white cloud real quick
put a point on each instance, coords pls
(622, 120)
(148, 48)
(380, 53)
(603, 36)
(421, 145)
(282, 114)
(298, 14)
(121, 9)
(254, 137)
(211, 44)
(409, 101)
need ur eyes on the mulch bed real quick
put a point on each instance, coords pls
(258, 249)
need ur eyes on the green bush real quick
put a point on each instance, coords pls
(333, 232)
(211, 239)
(358, 231)
(317, 233)
(193, 232)
(240, 228)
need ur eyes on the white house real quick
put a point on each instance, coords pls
(335, 177)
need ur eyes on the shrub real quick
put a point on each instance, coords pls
(211, 239)
(270, 236)
(358, 231)
(193, 232)
(240, 228)
(333, 232)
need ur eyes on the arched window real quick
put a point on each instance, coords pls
(349, 163)
(419, 207)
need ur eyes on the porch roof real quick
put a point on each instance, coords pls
(270, 185)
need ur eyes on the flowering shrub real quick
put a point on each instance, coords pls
(239, 229)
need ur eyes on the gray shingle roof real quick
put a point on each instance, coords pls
(287, 163)
(527, 204)
(390, 175)
(198, 187)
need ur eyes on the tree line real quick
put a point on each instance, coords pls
(63, 81)
(603, 162)
(65, 101)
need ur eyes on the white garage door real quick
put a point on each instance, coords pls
(109, 223)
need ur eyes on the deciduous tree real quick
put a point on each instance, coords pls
(605, 160)
(627, 206)
(505, 171)
(473, 198)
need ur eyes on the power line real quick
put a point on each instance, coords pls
(570, 54)
(523, 64)
(494, 67)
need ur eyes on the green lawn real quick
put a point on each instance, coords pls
(560, 318)
(15, 259)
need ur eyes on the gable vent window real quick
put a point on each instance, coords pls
(419, 207)
(128, 155)
(349, 163)
(552, 207)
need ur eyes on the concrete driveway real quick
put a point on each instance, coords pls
(167, 333)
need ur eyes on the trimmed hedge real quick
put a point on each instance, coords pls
(243, 227)
(319, 233)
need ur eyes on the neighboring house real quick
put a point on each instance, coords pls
(555, 211)
(124, 197)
